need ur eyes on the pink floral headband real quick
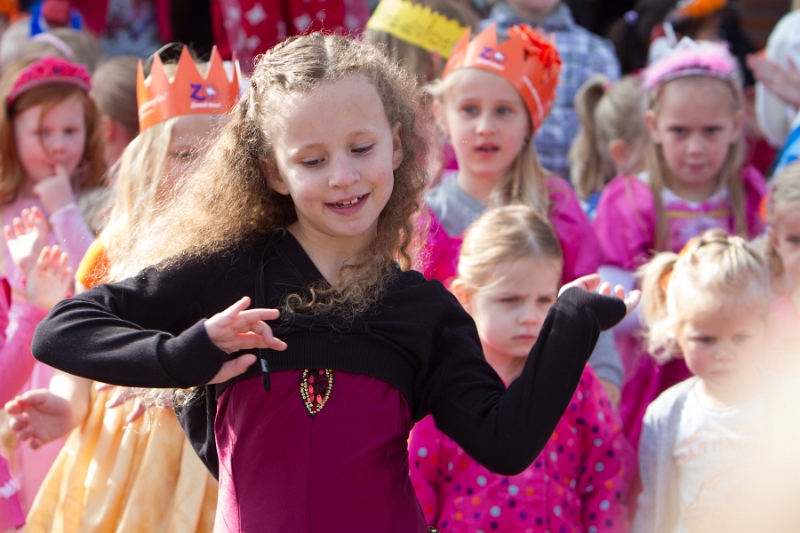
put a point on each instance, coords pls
(50, 70)
(692, 58)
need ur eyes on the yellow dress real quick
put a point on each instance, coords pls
(125, 478)
(115, 477)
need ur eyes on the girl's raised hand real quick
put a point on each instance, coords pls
(40, 416)
(239, 328)
(26, 237)
(592, 282)
(50, 279)
(56, 191)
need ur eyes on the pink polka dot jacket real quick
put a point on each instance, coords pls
(579, 482)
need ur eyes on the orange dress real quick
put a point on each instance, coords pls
(118, 477)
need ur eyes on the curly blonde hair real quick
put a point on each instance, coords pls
(226, 198)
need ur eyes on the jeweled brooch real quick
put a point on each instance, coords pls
(315, 388)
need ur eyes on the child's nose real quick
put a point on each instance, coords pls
(343, 173)
(56, 144)
(485, 124)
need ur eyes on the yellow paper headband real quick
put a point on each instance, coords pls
(417, 24)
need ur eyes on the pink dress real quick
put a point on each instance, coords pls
(577, 484)
(19, 371)
(626, 227)
(582, 251)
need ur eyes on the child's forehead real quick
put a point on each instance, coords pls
(475, 82)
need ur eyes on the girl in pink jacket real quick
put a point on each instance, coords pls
(508, 277)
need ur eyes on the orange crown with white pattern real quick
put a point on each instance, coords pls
(526, 59)
(189, 93)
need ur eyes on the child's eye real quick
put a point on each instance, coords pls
(711, 130)
(738, 339)
(363, 149)
(678, 130)
(183, 154)
(510, 299)
(793, 239)
(504, 110)
(547, 300)
(312, 162)
(469, 109)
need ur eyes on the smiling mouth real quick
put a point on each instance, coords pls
(349, 203)
(487, 148)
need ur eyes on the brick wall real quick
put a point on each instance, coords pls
(760, 16)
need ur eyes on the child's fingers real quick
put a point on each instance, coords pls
(632, 300)
(8, 233)
(265, 332)
(587, 283)
(619, 292)
(605, 289)
(234, 367)
(137, 412)
(19, 228)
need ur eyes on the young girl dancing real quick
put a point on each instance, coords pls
(51, 150)
(108, 445)
(302, 205)
(612, 138)
(509, 273)
(491, 112)
(714, 438)
(694, 181)
(783, 251)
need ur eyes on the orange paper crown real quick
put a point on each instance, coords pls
(527, 59)
(190, 93)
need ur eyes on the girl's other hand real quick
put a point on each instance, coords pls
(50, 280)
(612, 391)
(26, 237)
(40, 416)
(56, 191)
(121, 396)
(238, 328)
(783, 82)
(592, 282)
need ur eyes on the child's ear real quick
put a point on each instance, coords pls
(397, 146)
(738, 121)
(652, 126)
(277, 184)
(619, 151)
(462, 293)
(773, 239)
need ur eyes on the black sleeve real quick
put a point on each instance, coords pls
(146, 331)
(506, 429)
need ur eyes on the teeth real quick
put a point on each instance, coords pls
(348, 204)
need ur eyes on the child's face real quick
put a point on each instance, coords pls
(188, 133)
(722, 343)
(57, 138)
(336, 153)
(695, 124)
(509, 313)
(487, 121)
(785, 237)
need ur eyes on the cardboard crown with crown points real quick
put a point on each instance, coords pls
(189, 93)
(526, 59)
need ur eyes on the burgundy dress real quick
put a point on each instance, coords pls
(351, 458)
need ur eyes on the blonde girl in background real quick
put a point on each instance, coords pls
(118, 472)
(612, 138)
(783, 250)
(51, 148)
(717, 448)
(305, 203)
(694, 180)
(509, 274)
(490, 114)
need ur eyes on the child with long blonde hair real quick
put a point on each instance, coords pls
(51, 151)
(303, 204)
(112, 441)
(716, 449)
(612, 138)
(694, 180)
(509, 274)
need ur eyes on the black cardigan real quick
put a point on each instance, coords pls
(148, 331)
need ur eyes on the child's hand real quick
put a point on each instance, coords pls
(238, 328)
(783, 82)
(592, 282)
(121, 396)
(56, 191)
(49, 281)
(26, 238)
(612, 391)
(39, 416)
